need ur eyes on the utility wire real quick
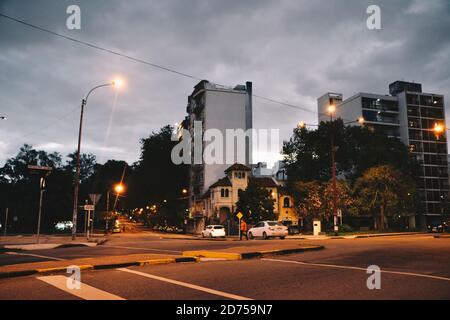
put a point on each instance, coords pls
(98, 47)
(144, 62)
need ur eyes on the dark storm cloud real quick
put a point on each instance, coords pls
(293, 50)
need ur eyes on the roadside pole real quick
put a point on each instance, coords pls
(88, 209)
(85, 218)
(6, 221)
(43, 172)
(107, 211)
(88, 224)
(42, 185)
(239, 215)
(240, 236)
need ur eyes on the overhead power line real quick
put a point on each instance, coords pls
(98, 47)
(94, 46)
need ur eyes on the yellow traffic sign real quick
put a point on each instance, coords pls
(239, 215)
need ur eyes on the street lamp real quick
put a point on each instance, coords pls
(439, 130)
(119, 188)
(331, 110)
(116, 83)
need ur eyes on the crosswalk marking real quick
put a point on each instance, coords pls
(85, 292)
(145, 249)
(187, 285)
(34, 255)
(358, 268)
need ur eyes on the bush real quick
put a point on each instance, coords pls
(345, 228)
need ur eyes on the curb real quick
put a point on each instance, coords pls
(26, 247)
(13, 274)
(387, 235)
(442, 236)
(247, 255)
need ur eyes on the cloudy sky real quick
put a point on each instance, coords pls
(292, 50)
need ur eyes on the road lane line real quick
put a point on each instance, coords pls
(34, 255)
(148, 249)
(358, 268)
(187, 285)
(85, 292)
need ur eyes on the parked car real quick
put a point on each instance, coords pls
(293, 230)
(438, 227)
(268, 229)
(214, 231)
(64, 225)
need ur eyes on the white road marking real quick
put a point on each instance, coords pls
(34, 255)
(86, 292)
(187, 285)
(358, 268)
(148, 249)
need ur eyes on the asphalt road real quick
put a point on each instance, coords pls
(413, 267)
(126, 244)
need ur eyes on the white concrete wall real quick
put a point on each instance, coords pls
(223, 110)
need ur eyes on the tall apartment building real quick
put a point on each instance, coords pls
(411, 116)
(219, 108)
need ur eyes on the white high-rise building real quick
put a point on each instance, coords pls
(219, 108)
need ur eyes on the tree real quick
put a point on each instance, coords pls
(383, 191)
(308, 153)
(314, 199)
(308, 199)
(20, 189)
(16, 169)
(344, 198)
(87, 164)
(255, 203)
(156, 178)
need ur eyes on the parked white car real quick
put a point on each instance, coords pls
(268, 229)
(213, 231)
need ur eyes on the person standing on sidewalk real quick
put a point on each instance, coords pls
(243, 229)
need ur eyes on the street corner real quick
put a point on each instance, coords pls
(240, 253)
(47, 246)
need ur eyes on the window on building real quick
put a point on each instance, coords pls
(239, 175)
(224, 193)
(286, 202)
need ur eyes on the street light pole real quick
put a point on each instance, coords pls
(6, 221)
(332, 109)
(107, 211)
(77, 171)
(302, 125)
(42, 187)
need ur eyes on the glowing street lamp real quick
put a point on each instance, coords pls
(115, 83)
(119, 188)
(438, 129)
(331, 109)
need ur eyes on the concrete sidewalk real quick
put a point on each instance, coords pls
(355, 236)
(29, 242)
(245, 252)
